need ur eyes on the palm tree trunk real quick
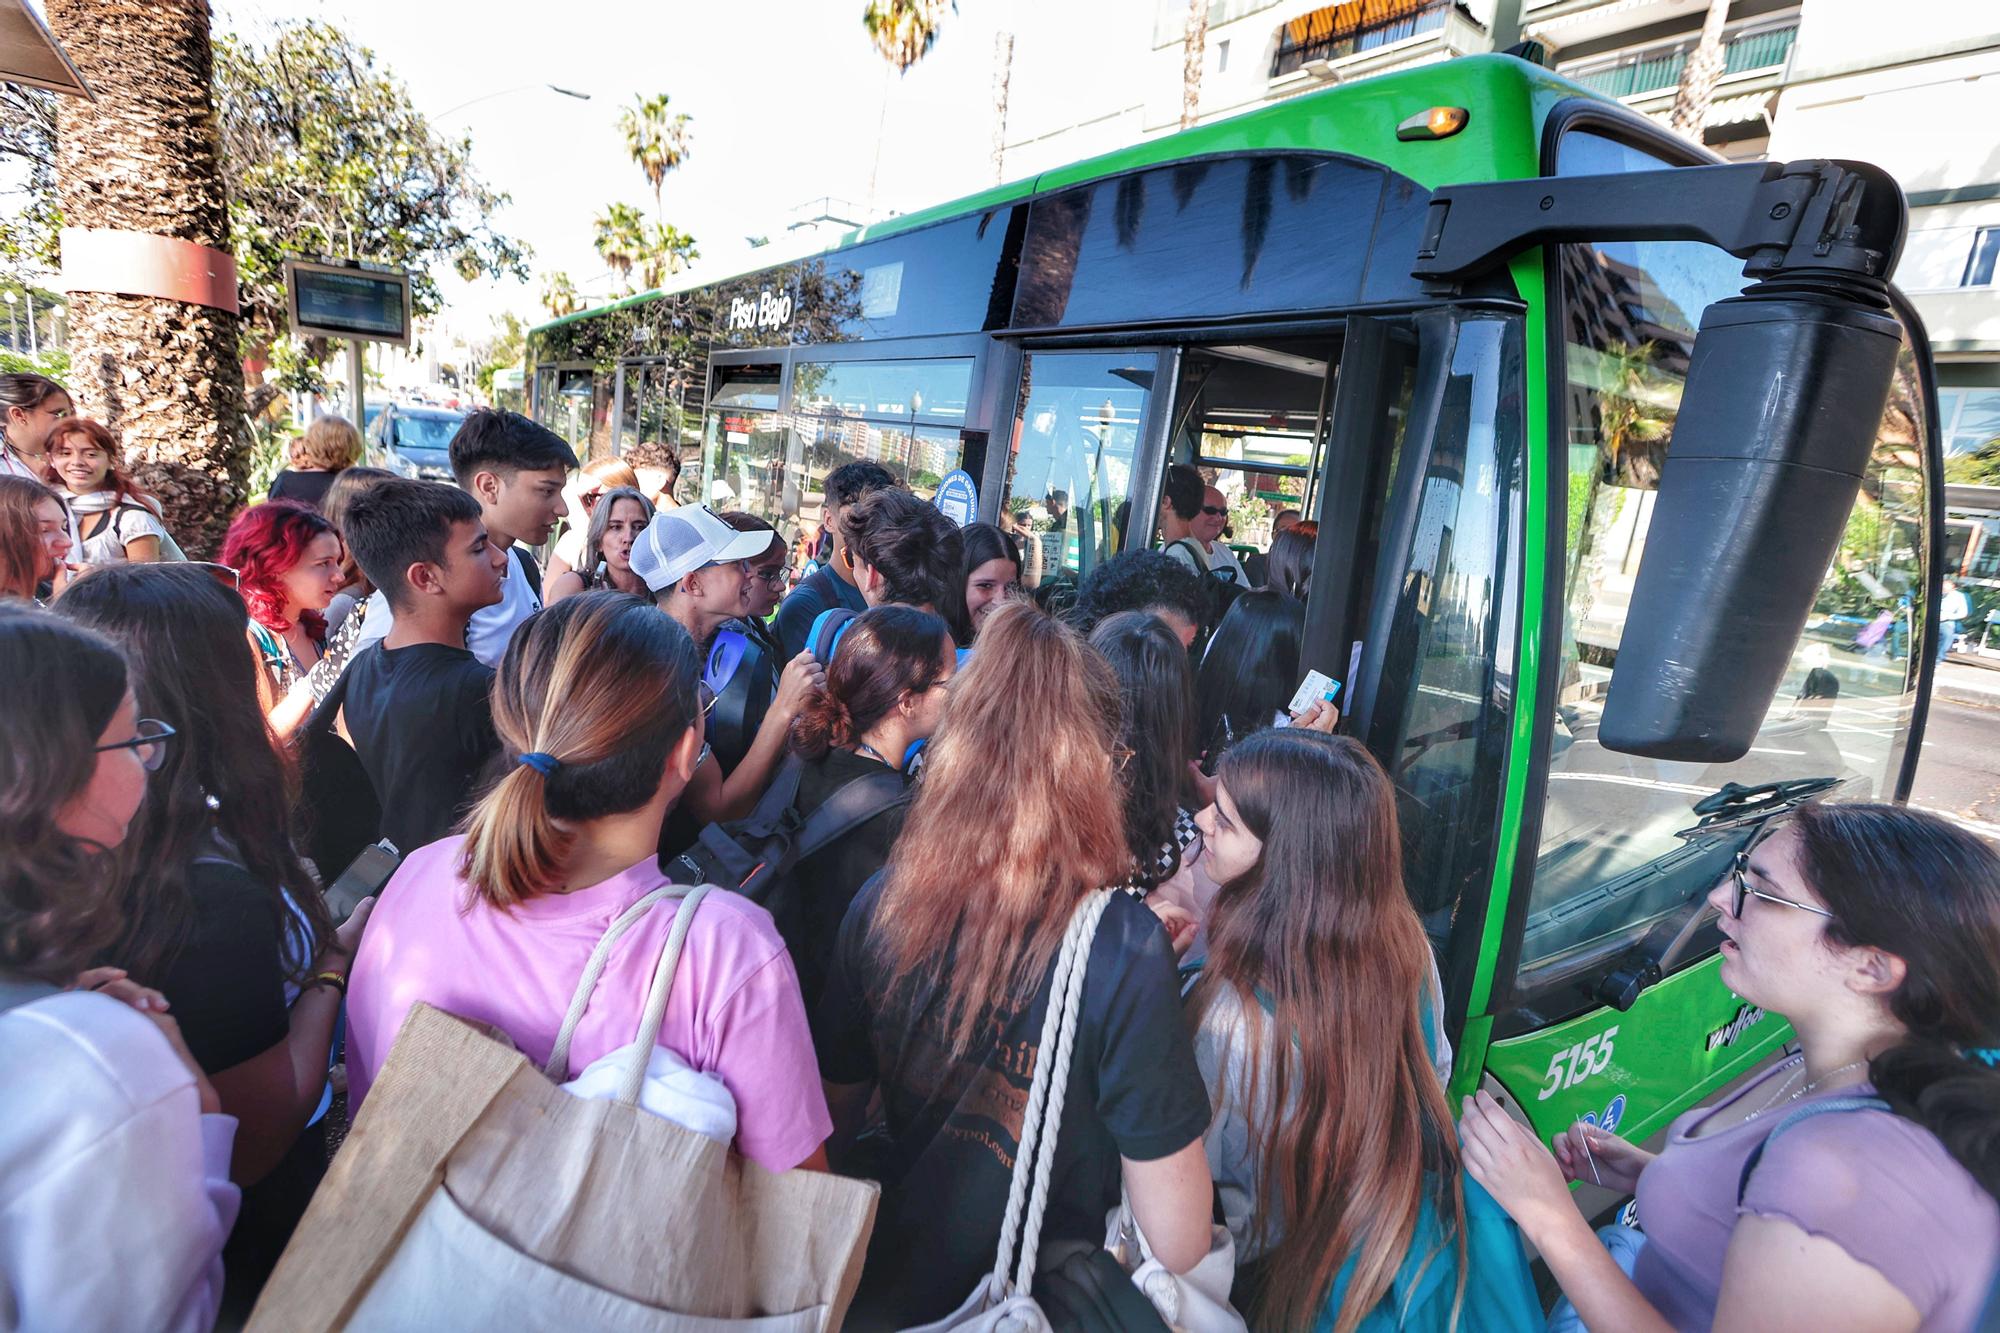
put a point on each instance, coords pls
(1194, 51)
(1698, 79)
(164, 375)
(1003, 75)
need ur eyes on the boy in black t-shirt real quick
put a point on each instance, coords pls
(418, 704)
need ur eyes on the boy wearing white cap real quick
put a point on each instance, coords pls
(697, 568)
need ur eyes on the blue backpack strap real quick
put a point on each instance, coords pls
(725, 654)
(824, 636)
(1830, 1106)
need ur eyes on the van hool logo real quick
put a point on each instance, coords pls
(1747, 1017)
(771, 310)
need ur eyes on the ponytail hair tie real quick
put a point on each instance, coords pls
(1985, 1055)
(545, 764)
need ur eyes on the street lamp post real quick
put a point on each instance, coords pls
(506, 92)
(13, 329)
(34, 340)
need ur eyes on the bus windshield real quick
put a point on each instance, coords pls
(1612, 860)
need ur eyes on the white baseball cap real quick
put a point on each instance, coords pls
(679, 541)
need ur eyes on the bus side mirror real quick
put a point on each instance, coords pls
(1783, 398)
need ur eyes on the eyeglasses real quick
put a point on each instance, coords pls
(1739, 869)
(776, 576)
(1215, 511)
(150, 742)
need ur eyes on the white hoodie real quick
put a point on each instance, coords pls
(114, 1188)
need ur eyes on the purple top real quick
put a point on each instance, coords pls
(1879, 1186)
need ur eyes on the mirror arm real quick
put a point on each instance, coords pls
(1842, 221)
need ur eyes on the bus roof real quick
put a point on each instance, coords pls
(1507, 99)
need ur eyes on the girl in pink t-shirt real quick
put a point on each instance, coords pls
(1875, 931)
(596, 705)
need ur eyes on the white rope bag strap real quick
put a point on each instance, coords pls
(1034, 1163)
(556, 1068)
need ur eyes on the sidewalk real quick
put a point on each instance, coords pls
(1968, 679)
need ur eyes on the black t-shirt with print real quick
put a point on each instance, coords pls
(422, 722)
(1134, 1091)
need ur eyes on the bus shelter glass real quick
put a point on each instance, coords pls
(1069, 476)
(1615, 853)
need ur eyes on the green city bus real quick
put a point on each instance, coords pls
(1483, 456)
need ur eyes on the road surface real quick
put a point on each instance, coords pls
(1959, 773)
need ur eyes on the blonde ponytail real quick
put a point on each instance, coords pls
(591, 697)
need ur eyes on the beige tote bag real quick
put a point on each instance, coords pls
(474, 1193)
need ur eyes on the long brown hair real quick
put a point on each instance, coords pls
(592, 695)
(1928, 891)
(20, 534)
(1017, 818)
(182, 633)
(1355, 1128)
(64, 685)
(115, 480)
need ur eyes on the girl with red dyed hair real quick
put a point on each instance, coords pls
(287, 559)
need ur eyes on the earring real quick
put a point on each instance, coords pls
(211, 800)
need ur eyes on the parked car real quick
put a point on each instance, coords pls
(414, 441)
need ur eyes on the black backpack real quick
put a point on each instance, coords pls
(755, 855)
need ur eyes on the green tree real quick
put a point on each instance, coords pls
(559, 295)
(500, 350)
(620, 238)
(324, 154)
(904, 31)
(658, 142)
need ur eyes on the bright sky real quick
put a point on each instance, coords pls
(786, 98)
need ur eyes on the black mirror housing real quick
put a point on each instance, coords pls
(1783, 400)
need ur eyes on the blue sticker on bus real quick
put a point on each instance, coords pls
(958, 497)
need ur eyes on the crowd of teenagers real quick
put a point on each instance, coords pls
(190, 1009)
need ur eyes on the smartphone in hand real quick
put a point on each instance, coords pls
(363, 878)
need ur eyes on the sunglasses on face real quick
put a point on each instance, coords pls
(1215, 511)
(150, 742)
(1739, 870)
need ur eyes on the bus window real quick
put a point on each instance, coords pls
(904, 415)
(1610, 861)
(1445, 706)
(1069, 478)
(743, 445)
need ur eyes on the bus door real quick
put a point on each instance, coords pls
(1085, 432)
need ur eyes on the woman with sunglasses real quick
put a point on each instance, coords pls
(114, 1151)
(216, 909)
(1875, 932)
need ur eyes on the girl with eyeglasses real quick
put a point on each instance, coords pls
(1874, 931)
(218, 912)
(605, 561)
(114, 1151)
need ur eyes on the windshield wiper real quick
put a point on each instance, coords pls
(1734, 806)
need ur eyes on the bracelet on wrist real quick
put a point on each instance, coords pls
(337, 980)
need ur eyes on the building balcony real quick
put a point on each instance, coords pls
(1364, 36)
(1658, 69)
(1561, 23)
